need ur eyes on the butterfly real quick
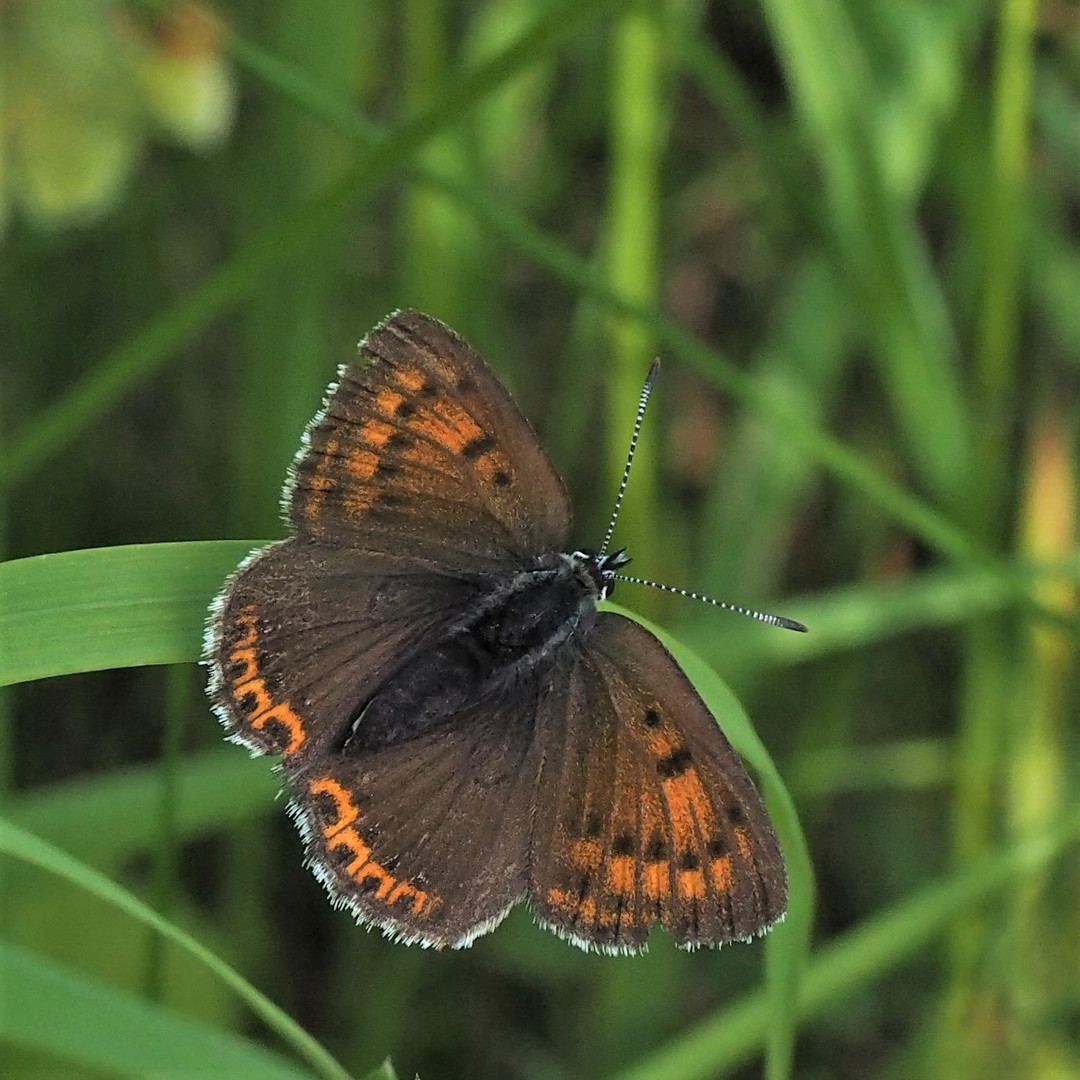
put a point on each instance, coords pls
(460, 728)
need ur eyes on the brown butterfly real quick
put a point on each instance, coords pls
(460, 728)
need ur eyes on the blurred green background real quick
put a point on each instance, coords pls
(847, 226)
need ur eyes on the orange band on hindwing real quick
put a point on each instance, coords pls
(339, 818)
(251, 697)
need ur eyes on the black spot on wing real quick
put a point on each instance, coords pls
(478, 447)
(676, 763)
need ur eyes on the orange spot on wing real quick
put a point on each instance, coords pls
(447, 424)
(359, 501)
(320, 483)
(426, 456)
(362, 464)
(346, 809)
(420, 898)
(689, 808)
(622, 874)
(487, 465)
(349, 838)
(440, 433)
(247, 658)
(283, 714)
(657, 880)
(720, 873)
(247, 620)
(586, 854)
(387, 400)
(411, 379)
(742, 841)
(377, 433)
(561, 899)
(253, 688)
(373, 870)
(568, 904)
(691, 884)
(459, 418)
(661, 743)
(606, 920)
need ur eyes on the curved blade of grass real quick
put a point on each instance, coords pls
(146, 604)
(853, 962)
(30, 849)
(61, 1012)
(109, 607)
(788, 943)
(850, 617)
(109, 816)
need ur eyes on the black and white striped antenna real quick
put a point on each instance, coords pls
(646, 390)
(760, 616)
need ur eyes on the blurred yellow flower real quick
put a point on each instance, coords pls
(83, 86)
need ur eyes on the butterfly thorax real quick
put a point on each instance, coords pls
(512, 633)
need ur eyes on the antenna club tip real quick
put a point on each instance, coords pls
(653, 372)
(791, 624)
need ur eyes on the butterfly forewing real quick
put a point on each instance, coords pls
(419, 448)
(646, 815)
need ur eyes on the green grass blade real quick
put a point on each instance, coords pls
(146, 604)
(60, 1012)
(27, 848)
(108, 607)
(109, 816)
(997, 358)
(851, 617)
(631, 259)
(788, 943)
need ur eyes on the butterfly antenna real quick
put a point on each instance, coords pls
(646, 390)
(761, 616)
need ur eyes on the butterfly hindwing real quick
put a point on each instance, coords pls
(646, 814)
(420, 448)
(426, 838)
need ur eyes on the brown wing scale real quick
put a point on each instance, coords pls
(646, 815)
(427, 839)
(303, 633)
(420, 448)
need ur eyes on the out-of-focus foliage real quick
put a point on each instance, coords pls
(850, 231)
(87, 84)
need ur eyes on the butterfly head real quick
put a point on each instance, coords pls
(598, 570)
